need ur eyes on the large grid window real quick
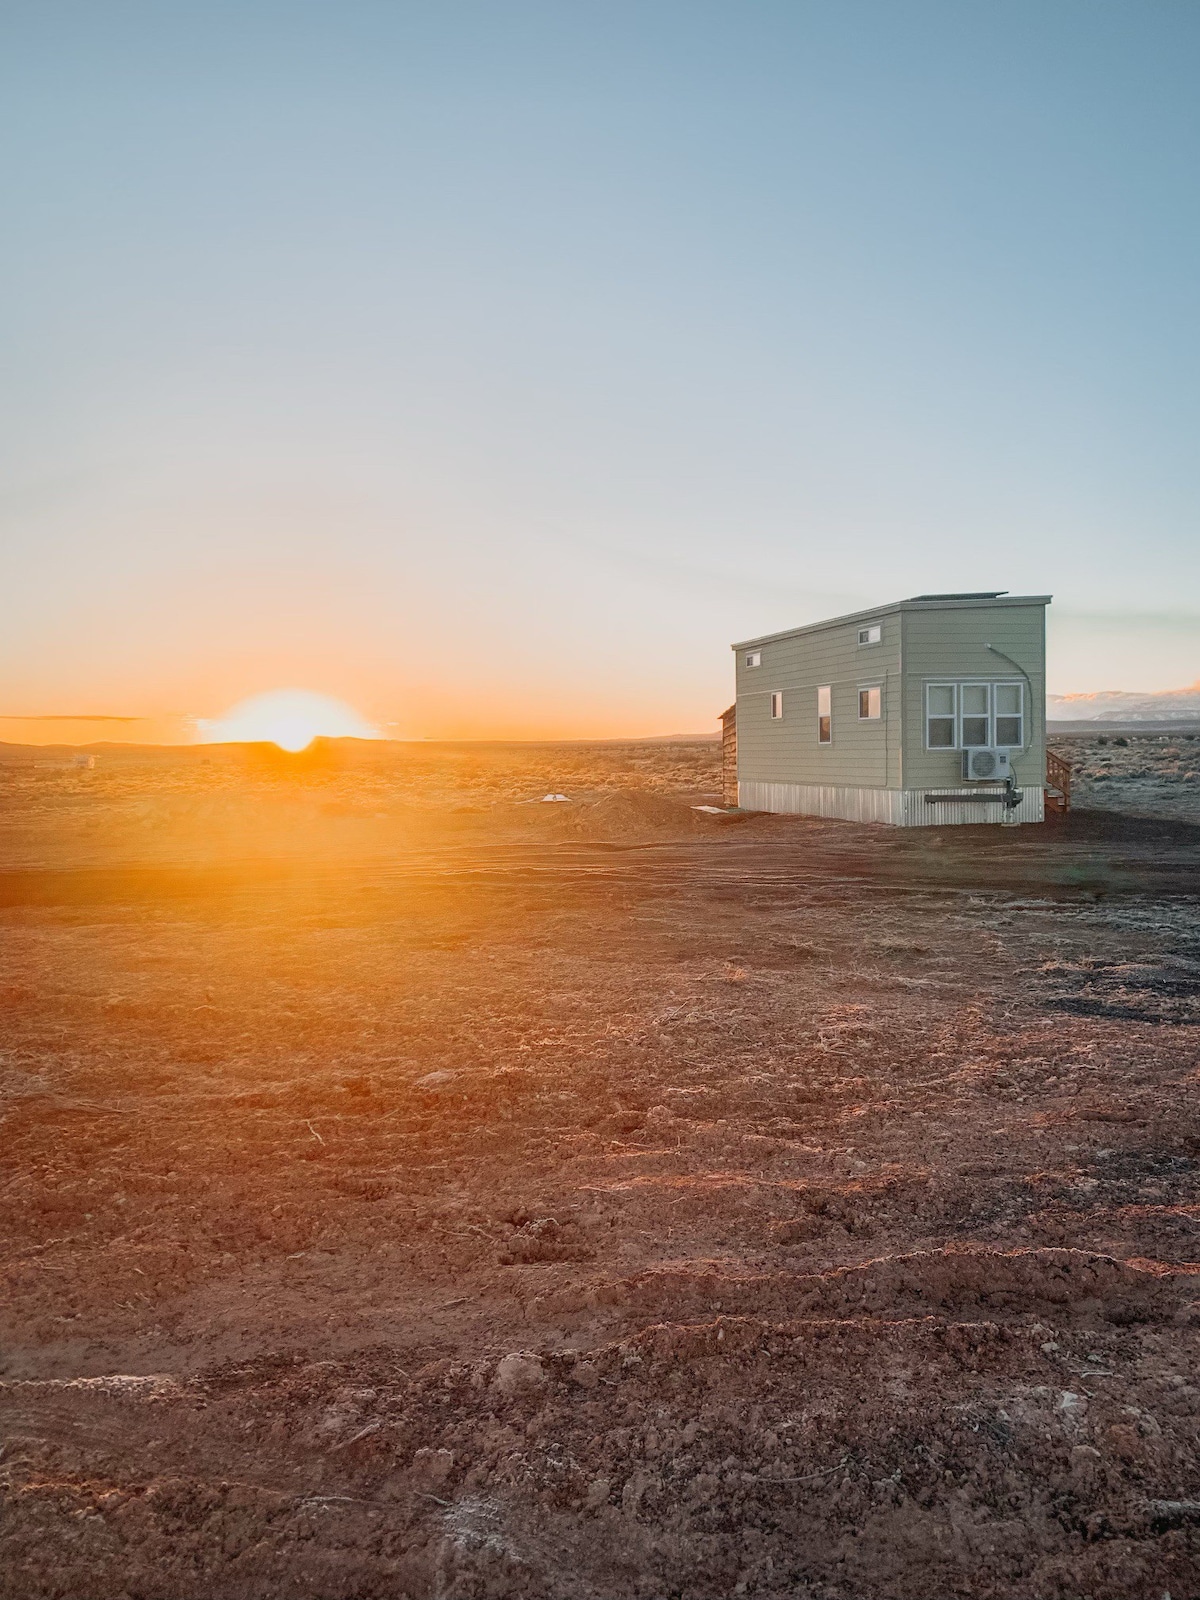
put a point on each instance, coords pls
(825, 714)
(966, 715)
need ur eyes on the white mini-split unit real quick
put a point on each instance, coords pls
(984, 763)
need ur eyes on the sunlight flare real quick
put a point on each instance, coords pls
(290, 718)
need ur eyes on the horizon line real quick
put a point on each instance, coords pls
(713, 735)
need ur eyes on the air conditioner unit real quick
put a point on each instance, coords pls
(983, 763)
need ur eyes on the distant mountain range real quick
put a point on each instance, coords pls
(1116, 705)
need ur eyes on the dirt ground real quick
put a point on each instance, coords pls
(415, 1189)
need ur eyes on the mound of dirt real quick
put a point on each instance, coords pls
(618, 817)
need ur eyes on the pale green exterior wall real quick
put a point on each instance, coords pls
(865, 754)
(921, 642)
(949, 642)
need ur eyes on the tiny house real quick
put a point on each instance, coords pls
(930, 710)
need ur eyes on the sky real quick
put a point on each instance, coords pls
(494, 366)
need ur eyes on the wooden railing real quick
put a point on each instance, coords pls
(1058, 777)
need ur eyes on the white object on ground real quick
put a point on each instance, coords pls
(546, 797)
(435, 1080)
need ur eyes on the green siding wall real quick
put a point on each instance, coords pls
(866, 754)
(952, 644)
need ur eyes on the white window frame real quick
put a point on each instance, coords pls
(991, 685)
(942, 716)
(754, 658)
(776, 705)
(865, 634)
(825, 699)
(974, 683)
(868, 689)
(1018, 685)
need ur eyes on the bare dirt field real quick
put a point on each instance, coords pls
(412, 1191)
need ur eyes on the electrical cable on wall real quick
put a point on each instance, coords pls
(1028, 721)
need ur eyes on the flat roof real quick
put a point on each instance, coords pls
(921, 602)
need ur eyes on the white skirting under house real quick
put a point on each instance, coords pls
(903, 808)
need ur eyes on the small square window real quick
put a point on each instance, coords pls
(871, 635)
(869, 704)
(754, 658)
(825, 714)
(777, 705)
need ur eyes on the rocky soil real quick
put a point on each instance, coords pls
(410, 1191)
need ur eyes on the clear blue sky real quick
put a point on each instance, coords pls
(507, 361)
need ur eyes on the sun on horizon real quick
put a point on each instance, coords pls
(290, 718)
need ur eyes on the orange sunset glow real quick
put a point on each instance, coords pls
(290, 718)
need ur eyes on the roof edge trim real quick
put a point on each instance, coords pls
(894, 609)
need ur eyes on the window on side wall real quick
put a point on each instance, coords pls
(941, 716)
(825, 714)
(870, 703)
(1010, 715)
(754, 658)
(871, 635)
(777, 705)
